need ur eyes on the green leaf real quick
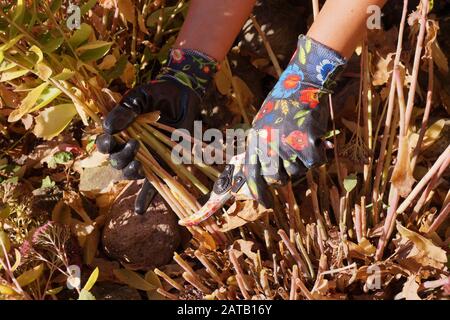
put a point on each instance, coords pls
(19, 14)
(62, 157)
(54, 291)
(30, 275)
(133, 279)
(90, 145)
(27, 103)
(91, 281)
(331, 133)
(52, 121)
(66, 74)
(13, 73)
(48, 95)
(52, 44)
(86, 295)
(11, 43)
(5, 211)
(56, 4)
(350, 182)
(80, 36)
(12, 180)
(47, 183)
(87, 6)
(94, 50)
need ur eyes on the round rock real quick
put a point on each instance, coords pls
(140, 241)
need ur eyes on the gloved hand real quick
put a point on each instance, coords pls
(287, 133)
(176, 93)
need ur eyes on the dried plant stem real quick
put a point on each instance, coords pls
(305, 255)
(428, 192)
(293, 293)
(7, 267)
(166, 294)
(416, 65)
(189, 275)
(209, 267)
(169, 280)
(443, 215)
(207, 170)
(315, 203)
(195, 281)
(426, 113)
(444, 158)
(293, 252)
(267, 45)
(390, 111)
(240, 277)
(165, 153)
(358, 223)
(303, 289)
(335, 149)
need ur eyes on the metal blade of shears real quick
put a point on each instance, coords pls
(230, 183)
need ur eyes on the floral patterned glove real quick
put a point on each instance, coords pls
(287, 133)
(176, 93)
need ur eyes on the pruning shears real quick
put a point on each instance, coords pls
(230, 183)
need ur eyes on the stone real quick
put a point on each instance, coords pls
(114, 291)
(140, 241)
(99, 179)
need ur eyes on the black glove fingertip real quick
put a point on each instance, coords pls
(122, 158)
(106, 143)
(133, 171)
(144, 197)
(118, 119)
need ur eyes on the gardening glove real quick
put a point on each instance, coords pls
(175, 93)
(287, 133)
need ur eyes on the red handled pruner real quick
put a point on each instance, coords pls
(230, 183)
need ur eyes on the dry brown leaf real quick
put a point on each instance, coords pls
(245, 247)
(90, 246)
(242, 212)
(126, 7)
(423, 244)
(73, 199)
(383, 70)
(108, 62)
(133, 279)
(141, 23)
(61, 213)
(409, 291)
(402, 178)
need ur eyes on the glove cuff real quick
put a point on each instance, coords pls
(319, 64)
(191, 68)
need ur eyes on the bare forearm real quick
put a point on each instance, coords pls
(212, 26)
(341, 24)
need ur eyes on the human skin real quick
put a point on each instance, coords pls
(341, 24)
(212, 26)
